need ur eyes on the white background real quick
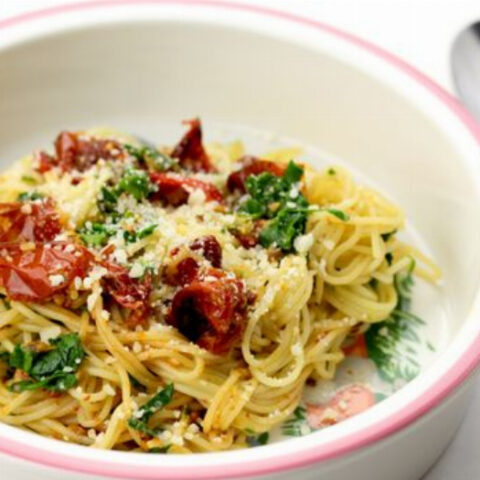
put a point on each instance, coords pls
(421, 32)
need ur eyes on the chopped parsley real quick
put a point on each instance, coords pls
(139, 420)
(389, 258)
(279, 200)
(159, 449)
(258, 440)
(29, 196)
(52, 370)
(96, 234)
(340, 214)
(131, 237)
(136, 183)
(386, 236)
(28, 179)
(151, 157)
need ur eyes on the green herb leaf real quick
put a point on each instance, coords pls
(389, 258)
(339, 214)
(145, 232)
(96, 234)
(29, 196)
(283, 229)
(293, 173)
(151, 157)
(256, 441)
(277, 199)
(29, 179)
(386, 236)
(53, 370)
(139, 420)
(160, 449)
(136, 183)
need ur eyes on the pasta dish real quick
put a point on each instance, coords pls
(178, 299)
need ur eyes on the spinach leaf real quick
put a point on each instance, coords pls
(139, 420)
(53, 370)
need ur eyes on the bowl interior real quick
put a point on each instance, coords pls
(145, 76)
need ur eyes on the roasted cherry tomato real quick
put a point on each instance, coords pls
(190, 151)
(28, 222)
(73, 151)
(128, 292)
(34, 275)
(211, 311)
(175, 189)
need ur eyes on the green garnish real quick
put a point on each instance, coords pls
(331, 171)
(145, 232)
(135, 182)
(160, 449)
(132, 237)
(390, 342)
(389, 258)
(256, 441)
(150, 156)
(277, 199)
(96, 234)
(139, 420)
(29, 196)
(339, 214)
(53, 370)
(28, 179)
(386, 236)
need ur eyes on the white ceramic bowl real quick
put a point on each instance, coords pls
(142, 65)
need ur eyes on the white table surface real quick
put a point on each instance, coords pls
(421, 32)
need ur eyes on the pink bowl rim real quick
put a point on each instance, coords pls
(450, 380)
